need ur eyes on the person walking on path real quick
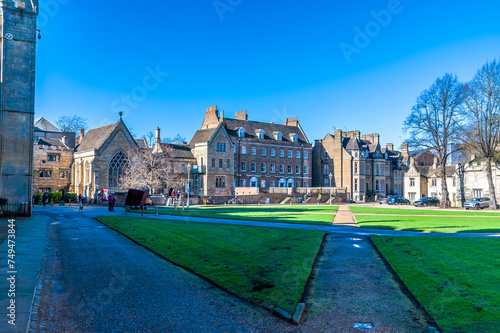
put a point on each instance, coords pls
(111, 203)
(319, 198)
(80, 203)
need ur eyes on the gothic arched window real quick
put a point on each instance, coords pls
(117, 166)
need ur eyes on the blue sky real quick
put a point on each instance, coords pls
(276, 60)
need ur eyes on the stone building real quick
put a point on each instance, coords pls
(472, 181)
(243, 153)
(17, 92)
(52, 158)
(358, 163)
(101, 157)
(180, 162)
(425, 181)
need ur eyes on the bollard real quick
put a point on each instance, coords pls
(156, 210)
(142, 210)
(51, 202)
(182, 205)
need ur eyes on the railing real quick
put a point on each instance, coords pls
(15, 209)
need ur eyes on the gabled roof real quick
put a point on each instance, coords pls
(95, 137)
(252, 127)
(43, 125)
(203, 135)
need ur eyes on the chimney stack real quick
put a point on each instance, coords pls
(294, 121)
(241, 115)
(404, 149)
(211, 118)
(412, 161)
(390, 146)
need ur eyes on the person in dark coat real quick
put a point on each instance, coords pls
(111, 203)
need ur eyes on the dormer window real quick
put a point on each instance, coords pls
(279, 136)
(261, 134)
(294, 137)
(241, 132)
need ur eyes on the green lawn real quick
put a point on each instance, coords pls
(262, 265)
(421, 211)
(430, 223)
(456, 280)
(265, 208)
(303, 216)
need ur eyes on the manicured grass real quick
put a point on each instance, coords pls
(456, 280)
(265, 208)
(430, 223)
(421, 211)
(298, 217)
(262, 265)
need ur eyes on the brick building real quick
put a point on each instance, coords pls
(52, 158)
(358, 163)
(243, 153)
(17, 87)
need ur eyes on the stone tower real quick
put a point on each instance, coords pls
(18, 36)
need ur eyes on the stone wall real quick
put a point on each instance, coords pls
(18, 26)
(57, 182)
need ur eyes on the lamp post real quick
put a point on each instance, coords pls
(188, 184)
(330, 183)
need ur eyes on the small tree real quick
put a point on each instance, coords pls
(481, 134)
(72, 124)
(434, 122)
(148, 170)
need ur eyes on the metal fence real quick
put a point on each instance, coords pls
(15, 209)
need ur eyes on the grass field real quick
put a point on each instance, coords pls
(456, 280)
(263, 265)
(421, 211)
(299, 215)
(430, 223)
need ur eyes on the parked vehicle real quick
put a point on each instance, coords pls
(477, 203)
(426, 201)
(398, 200)
(383, 199)
(233, 201)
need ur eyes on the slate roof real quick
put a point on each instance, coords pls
(429, 171)
(95, 137)
(51, 142)
(252, 128)
(142, 143)
(177, 151)
(43, 125)
(203, 135)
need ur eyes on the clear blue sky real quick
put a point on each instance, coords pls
(275, 59)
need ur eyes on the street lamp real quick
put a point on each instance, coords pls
(189, 185)
(330, 183)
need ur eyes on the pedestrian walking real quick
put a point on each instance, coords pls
(111, 203)
(80, 203)
(319, 198)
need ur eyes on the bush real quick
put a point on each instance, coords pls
(61, 203)
(3, 201)
(70, 197)
(56, 196)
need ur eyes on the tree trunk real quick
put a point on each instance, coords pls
(445, 201)
(489, 175)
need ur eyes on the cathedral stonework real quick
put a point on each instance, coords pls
(18, 38)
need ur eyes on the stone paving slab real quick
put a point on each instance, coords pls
(30, 241)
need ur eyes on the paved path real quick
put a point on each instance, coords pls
(30, 241)
(94, 279)
(344, 218)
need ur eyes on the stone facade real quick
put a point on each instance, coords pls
(100, 158)
(357, 163)
(472, 181)
(17, 89)
(53, 158)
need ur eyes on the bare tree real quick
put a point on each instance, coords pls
(147, 170)
(72, 124)
(179, 139)
(481, 134)
(150, 138)
(434, 122)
